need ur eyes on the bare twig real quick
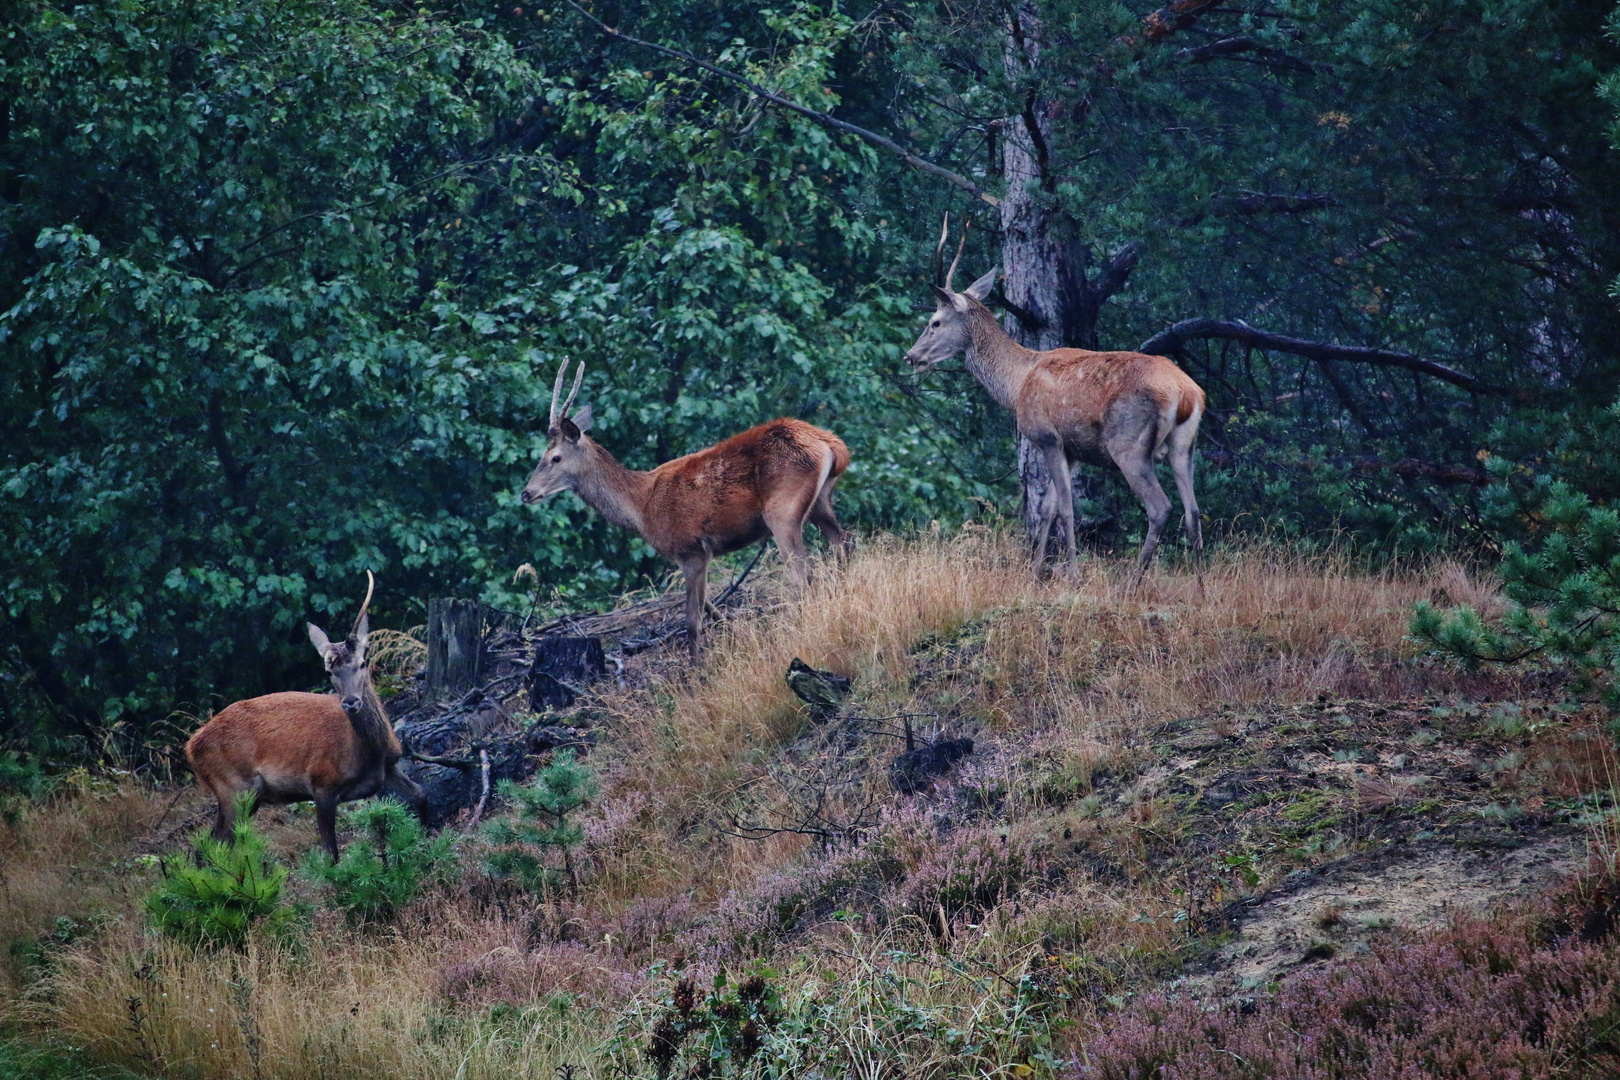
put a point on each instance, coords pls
(737, 583)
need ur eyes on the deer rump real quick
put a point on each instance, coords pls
(724, 498)
(286, 748)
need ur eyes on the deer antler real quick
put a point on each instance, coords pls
(967, 220)
(371, 585)
(556, 392)
(578, 378)
(939, 250)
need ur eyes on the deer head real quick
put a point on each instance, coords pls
(346, 660)
(566, 454)
(949, 330)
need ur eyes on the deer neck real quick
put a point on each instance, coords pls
(996, 360)
(615, 492)
(371, 727)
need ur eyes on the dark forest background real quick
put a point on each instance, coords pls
(284, 284)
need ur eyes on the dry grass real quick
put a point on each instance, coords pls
(74, 856)
(396, 655)
(1056, 677)
(955, 625)
(346, 1006)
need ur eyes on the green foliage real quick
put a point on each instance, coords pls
(540, 825)
(729, 1027)
(386, 867)
(20, 1060)
(22, 781)
(283, 285)
(1561, 575)
(217, 898)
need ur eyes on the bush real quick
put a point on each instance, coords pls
(375, 878)
(1478, 999)
(217, 899)
(524, 841)
(22, 781)
(1563, 593)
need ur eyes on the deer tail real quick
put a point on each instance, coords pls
(829, 458)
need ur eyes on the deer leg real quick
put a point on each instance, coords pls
(1181, 465)
(407, 789)
(326, 821)
(1134, 456)
(821, 516)
(787, 527)
(696, 571)
(225, 821)
(1062, 495)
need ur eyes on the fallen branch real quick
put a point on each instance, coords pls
(478, 811)
(880, 141)
(1173, 338)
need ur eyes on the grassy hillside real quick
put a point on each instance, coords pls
(1228, 796)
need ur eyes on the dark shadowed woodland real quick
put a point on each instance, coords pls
(284, 289)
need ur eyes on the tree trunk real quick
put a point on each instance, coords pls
(1054, 302)
(455, 645)
(1032, 260)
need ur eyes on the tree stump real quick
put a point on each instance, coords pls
(455, 646)
(563, 666)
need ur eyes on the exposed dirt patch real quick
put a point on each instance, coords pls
(1348, 820)
(1336, 911)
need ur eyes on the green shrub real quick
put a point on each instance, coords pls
(1563, 593)
(22, 781)
(524, 840)
(375, 878)
(217, 897)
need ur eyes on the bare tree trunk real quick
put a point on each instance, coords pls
(1052, 301)
(1029, 254)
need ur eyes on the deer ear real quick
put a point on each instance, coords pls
(568, 430)
(317, 638)
(943, 296)
(981, 288)
(582, 419)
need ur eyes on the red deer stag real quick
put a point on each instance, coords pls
(769, 480)
(295, 747)
(1124, 408)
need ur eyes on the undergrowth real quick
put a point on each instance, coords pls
(988, 927)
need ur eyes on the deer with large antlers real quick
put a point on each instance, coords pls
(294, 747)
(1126, 409)
(768, 481)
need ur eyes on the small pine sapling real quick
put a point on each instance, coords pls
(216, 895)
(1563, 589)
(523, 841)
(375, 878)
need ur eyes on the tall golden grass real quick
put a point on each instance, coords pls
(1072, 672)
(1075, 668)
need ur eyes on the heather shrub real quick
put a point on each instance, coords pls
(386, 866)
(964, 873)
(841, 876)
(1478, 1000)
